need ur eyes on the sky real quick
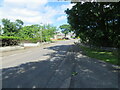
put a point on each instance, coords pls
(35, 11)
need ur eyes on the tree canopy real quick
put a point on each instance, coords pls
(65, 29)
(34, 32)
(96, 23)
(11, 28)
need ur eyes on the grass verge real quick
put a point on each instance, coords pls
(106, 56)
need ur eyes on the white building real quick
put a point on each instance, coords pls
(60, 35)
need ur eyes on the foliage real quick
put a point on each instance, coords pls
(48, 32)
(10, 37)
(74, 73)
(106, 56)
(65, 29)
(35, 33)
(96, 23)
(0, 30)
(11, 28)
(32, 33)
(29, 31)
(9, 40)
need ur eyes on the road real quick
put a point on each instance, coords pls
(57, 65)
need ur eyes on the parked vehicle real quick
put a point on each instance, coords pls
(66, 38)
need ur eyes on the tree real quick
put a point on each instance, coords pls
(96, 23)
(0, 30)
(30, 31)
(48, 32)
(19, 24)
(11, 28)
(65, 29)
(37, 32)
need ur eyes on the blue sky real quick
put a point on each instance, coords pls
(35, 11)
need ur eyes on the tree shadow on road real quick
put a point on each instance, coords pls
(35, 74)
(57, 71)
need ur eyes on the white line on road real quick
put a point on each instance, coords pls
(17, 54)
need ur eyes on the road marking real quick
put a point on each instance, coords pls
(13, 55)
(17, 54)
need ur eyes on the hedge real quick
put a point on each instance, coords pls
(9, 40)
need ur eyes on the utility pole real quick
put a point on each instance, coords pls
(41, 32)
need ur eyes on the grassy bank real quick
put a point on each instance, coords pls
(106, 56)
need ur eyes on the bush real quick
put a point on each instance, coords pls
(31, 40)
(9, 40)
(35, 40)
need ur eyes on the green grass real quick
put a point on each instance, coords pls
(106, 56)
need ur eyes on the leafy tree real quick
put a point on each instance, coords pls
(11, 28)
(19, 24)
(0, 30)
(37, 32)
(29, 31)
(33, 32)
(96, 23)
(48, 32)
(65, 29)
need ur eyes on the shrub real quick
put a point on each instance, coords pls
(9, 40)
(31, 40)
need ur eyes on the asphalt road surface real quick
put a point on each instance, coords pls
(57, 65)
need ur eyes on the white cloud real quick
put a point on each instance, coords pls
(61, 18)
(24, 12)
(69, 6)
(32, 11)
(64, 7)
(25, 3)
